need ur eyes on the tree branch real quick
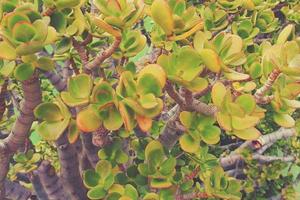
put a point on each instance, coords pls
(261, 92)
(15, 140)
(70, 173)
(51, 182)
(37, 186)
(2, 98)
(103, 56)
(16, 191)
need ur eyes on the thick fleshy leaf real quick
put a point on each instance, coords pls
(127, 115)
(88, 120)
(157, 71)
(197, 85)
(113, 121)
(211, 60)
(188, 143)
(163, 19)
(9, 53)
(23, 31)
(51, 131)
(160, 183)
(224, 120)
(285, 34)
(247, 134)
(45, 63)
(241, 123)
(96, 193)
(130, 192)
(103, 94)
(147, 83)
(148, 101)
(168, 166)
(73, 132)
(80, 86)
(186, 118)
(284, 120)
(67, 3)
(29, 48)
(103, 168)
(48, 112)
(236, 76)
(71, 101)
(247, 103)
(218, 93)
(24, 71)
(90, 178)
(211, 134)
(144, 123)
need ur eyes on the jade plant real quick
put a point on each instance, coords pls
(149, 100)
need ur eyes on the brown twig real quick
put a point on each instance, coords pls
(2, 98)
(261, 92)
(103, 56)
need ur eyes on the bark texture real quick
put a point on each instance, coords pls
(17, 137)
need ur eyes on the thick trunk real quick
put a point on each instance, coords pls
(57, 81)
(51, 183)
(16, 139)
(16, 191)
(70, 173)
(89, 148)
(38, 187)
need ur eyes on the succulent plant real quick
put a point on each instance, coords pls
(25, 162)
(118, 13)
(177, 22)
(55, 118)
(114, 153)
(292, 14)
(139, 99)
(265, 21)
(183, 67)
(233, 5)
(25, 32)
(61, 4)
(214, 19)
(220, 186)
(237, 117)
(132, 43)
(157, 167)
(199, 128)
(245, 30)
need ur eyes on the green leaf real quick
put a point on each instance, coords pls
(148, 101)
(186, 118)
(51, 131)
(9, 53)
(131, 192)
(157, 71)
(188, 143)
(160, 183)
(285, 34)
(24, 71)
(284, 120)
(96, 193)
(247, 103)
(90, 178)
(103, 168)
(88, 120)
(241, 123)
(224, 120)
(163, 19)
(153, 146)
(23, 31)
(45, 63)
(114, 120)
(247, 134)
(147, 83)
(218, 94)
(48, 112)
(211, 60)
(168, 166)
(80, 86)
(211, 134)
(73, 132)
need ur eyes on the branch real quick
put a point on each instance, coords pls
(70, 173)
(103, 56)
(174, 95)
(16, 139)
(267, 159)
(37, 186)
(56, 80)
(16, 191)
(263, 140)
(260, 93)
(2, 98)
(51, 182)
(89, 148)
